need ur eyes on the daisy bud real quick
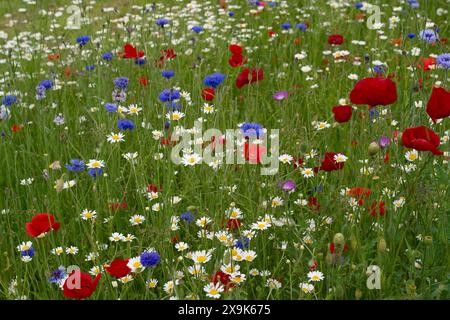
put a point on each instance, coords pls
(339, 239)
(374, 148)
(381, 247)
(428, 240)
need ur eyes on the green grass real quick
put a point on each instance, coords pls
(29, 153)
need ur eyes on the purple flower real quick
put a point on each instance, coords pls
(384, 141)
(280, 95)
(287, 185)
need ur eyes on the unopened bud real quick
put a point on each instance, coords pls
(374, 148)
(339, 239)
(358, 294)
(428, 240)
(381, 247)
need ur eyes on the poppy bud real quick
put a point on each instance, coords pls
(399, 139)
(354, 242)
(358, 294)
(428, 240)
(381, 247)
(339, 239)
(374, 148)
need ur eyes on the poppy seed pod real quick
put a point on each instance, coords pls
(428, 240)
(381, 247)
(339, 239)
(329, 259)
(374, 148)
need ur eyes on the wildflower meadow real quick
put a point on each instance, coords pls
(224, 149)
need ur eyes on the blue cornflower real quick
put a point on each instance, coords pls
(47, 84)
(414, 4)
(95, 172)
(162, 22)
(125, 124)
(231, 14)
(27, 253)
(40, 92)
(443, 60)
(379, 69)
(169, 95)
(90, 67)
(57, 275)
(286, 26)
(373, 113)
(187, 216)
(9, 100)
(167, 125)
(111, 107)
(214, 80)
(411, 35)
(301, 26)
(168, 74)
(428, 35)
(173, 106)
(272, 4)
(197, 29)
(107, 56)
(242, 243)
(76, 165)
(121, 82)
(140, 62)
(359, 5)
(150, 259)
(252, 129)
(82, 40)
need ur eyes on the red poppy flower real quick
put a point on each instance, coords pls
(359, 194)
(312, 264)
(143, 81)
(52, 57)
(426, 63)
(233, 224)
(235, 49)
(422, 139)
(377, 208)
(243, 77)
(16, 127)
(79, 285)
(271, 33)
(236, 60)
(374, 92)
(224, 279)
(168, 54)
(438, 106)
(333, 248)
(131, 52)
(329, 164)
(342, 113)
(41, 223)
(208, 94)
(335, 39)
(114, 206)
(253, 152)
(298, 162)
(314, 203)
(118, 268)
